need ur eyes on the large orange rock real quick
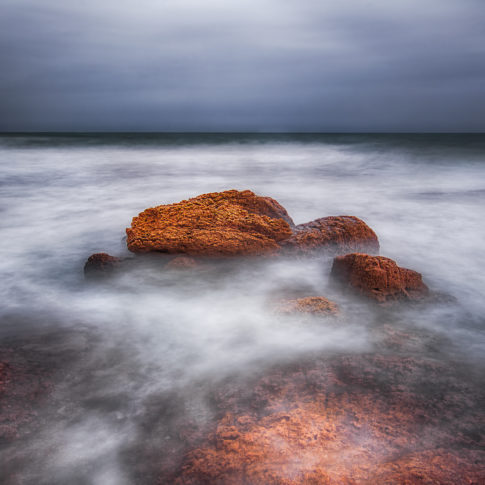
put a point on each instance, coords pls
(378, 278)
(220, 223)
(336, 234)
(241, 223)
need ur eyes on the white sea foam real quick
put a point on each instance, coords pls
(158, 332)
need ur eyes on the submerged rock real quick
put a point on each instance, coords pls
(216, 224)
(332, 421)
(5, 376)
(339, 234)
(182, 262)
(378, 278)
(100, 265)
(23, 384)
(315, 305)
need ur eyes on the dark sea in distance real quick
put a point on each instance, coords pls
(66, 196)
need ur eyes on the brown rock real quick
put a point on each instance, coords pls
(182, 262)
(5, 376)
(334, 422)
(22, 385)
(100, 265)
(316, 305)
(215, 224)
(378, 278)
(340, 234)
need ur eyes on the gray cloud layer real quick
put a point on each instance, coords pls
(267, 65)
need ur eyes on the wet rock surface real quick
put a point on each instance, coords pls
(389, 416)
(23, 385)
(351, 419)
(377, 278)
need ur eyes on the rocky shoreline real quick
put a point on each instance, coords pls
(234, 223)
(388, 416)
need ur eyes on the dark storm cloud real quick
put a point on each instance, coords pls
(247, 65)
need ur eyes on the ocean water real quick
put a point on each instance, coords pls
(115, 347)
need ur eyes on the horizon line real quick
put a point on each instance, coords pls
(82, 132)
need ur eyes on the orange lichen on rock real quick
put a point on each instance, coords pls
(336, 423)
(316, 305)
(378, 278)
(339, 234)
(215, 224)
(443, 467)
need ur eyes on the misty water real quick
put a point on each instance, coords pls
(123, 352)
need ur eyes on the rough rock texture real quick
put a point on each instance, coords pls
(22, 385)
(215, 224)
(351, 420)
(100, 265)
(378, 278)
(5, 376)
(316, 305)
(340, 234)
(241, 223)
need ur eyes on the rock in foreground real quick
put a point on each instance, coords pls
(378, 278)
(217, 224)
(332, 421)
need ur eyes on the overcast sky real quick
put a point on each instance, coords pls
(246, 65)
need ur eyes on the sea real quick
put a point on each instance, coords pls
(112, 351)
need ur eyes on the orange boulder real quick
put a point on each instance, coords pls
(215, 224)
(378, 278)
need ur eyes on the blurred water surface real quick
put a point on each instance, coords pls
(67, 196)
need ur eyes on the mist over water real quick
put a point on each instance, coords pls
(151, 334)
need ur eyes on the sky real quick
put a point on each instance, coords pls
(246, 65)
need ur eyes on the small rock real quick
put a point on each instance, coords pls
(182, 262)
(316, 305)
(378, 278)
(100, 265)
